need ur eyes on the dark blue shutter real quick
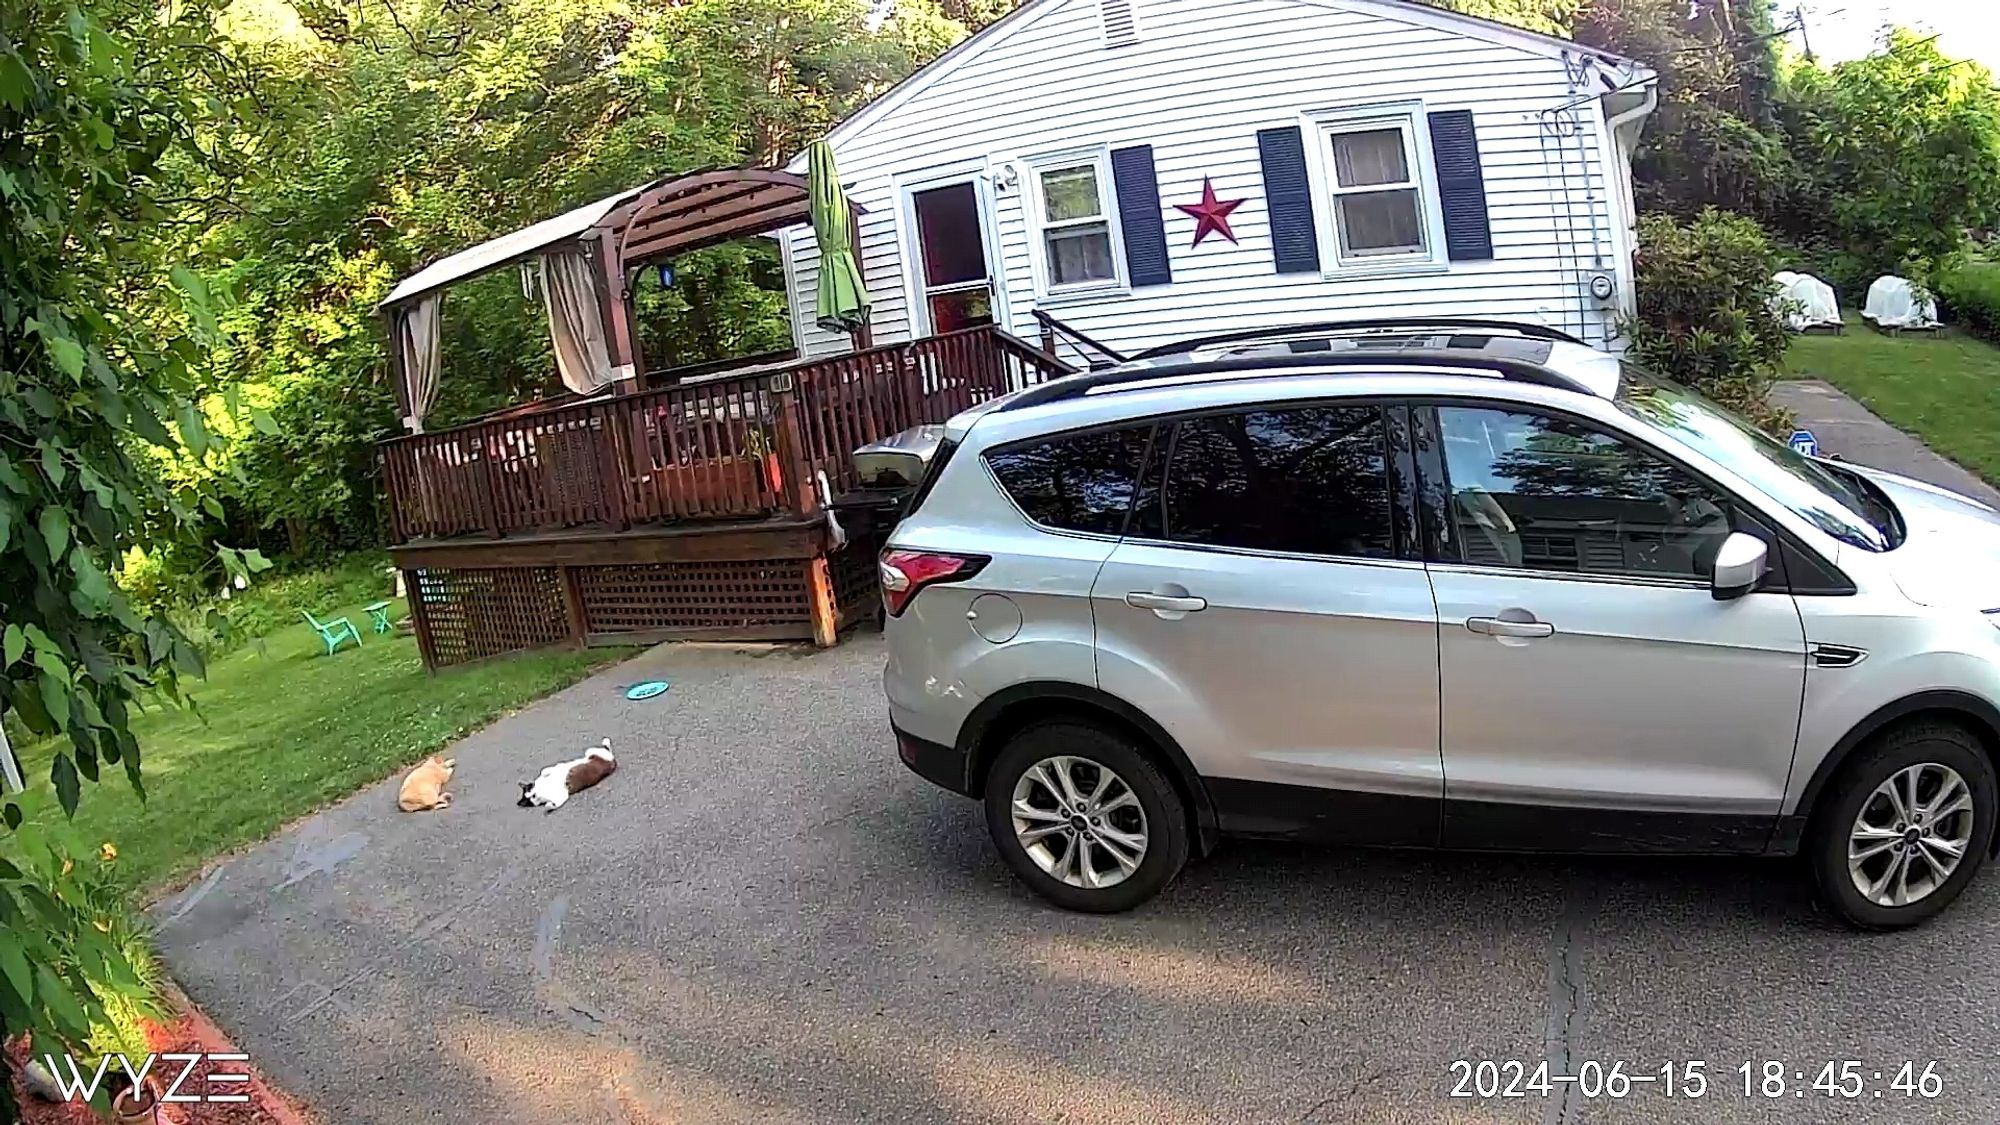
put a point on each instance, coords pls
(1139, 215)
(1288, 197)
(1461, 188)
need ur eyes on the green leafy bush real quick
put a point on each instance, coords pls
(118, 120)
(76, 969)
(1970, 295)
(1705, 316)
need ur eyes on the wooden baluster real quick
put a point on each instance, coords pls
(712, 467)
(791, 443)
(491, 490)
(737, 498)
(615, 439)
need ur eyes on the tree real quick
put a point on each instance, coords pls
(118, 120)
(1710, 142)
(1550, 17)
(1906, 158)
(418, 132)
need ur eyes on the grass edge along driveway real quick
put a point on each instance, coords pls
(1944, 389)
(282, 729)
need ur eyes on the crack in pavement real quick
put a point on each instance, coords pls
(1566, 999)
(1371, 1074)
(446, 917)
(329, 998)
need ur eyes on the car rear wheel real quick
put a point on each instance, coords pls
(1084, 817)
(1906, 827)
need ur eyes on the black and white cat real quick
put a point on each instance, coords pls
(558, 783)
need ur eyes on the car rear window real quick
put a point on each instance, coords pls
(1075, 482)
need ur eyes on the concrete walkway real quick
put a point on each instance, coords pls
(1846, 427)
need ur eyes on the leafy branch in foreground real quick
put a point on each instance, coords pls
(109, 110)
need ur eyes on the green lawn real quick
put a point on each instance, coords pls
(1944, 389)
(284, 729)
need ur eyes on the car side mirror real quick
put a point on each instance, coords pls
(1739, 566)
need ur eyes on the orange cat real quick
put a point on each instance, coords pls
(424, 788)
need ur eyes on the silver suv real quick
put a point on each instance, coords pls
(1453, 584)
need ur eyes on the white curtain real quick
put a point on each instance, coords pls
(418, 340)
(576, 319)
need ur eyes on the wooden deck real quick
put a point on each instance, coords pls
(690, 510)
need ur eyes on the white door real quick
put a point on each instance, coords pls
(951, 264)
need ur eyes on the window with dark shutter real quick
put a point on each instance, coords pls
(1461, 187)
(1139, 218)
(1288, 196)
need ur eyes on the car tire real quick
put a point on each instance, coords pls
(1868, 807)
(1046, 839)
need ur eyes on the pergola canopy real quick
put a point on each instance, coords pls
(595, 247)
(659, 220)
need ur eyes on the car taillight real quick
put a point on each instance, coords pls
(906, 572)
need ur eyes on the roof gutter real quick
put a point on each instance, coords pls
(1637, 112)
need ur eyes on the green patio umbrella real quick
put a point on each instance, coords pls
(843, 299)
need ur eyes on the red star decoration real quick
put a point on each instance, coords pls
(1211, 215)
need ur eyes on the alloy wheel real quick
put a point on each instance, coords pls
(1910, 835)
(1079, 821)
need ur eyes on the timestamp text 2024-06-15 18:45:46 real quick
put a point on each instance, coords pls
(1765, 1078)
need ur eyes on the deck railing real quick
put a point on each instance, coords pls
(722, 446)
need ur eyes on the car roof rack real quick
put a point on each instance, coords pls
(1360, 327)
(1506, 367)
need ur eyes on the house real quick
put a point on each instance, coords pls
(1142, 170)
(1082, 178)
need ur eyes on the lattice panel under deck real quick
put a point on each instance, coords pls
(471, 614)
(693, 595)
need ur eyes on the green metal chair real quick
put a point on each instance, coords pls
(334, 632)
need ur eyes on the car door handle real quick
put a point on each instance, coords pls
(1173, 603)
(1501, 627)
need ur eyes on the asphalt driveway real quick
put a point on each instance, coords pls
(763, 917)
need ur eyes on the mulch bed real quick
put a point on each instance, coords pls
(189, 1031)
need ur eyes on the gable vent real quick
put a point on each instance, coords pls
(1121, 27)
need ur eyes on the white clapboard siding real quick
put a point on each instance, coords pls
(1200, 79)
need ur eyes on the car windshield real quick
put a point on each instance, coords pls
(1842, 504)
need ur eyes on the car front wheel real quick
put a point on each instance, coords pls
(1084, 817)
(1909, 823)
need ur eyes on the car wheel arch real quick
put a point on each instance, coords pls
(1014, 708)
(1977, 715)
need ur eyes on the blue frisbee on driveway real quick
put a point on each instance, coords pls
(647, 690)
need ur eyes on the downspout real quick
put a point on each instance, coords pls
(1627, 268)
(1651, 103)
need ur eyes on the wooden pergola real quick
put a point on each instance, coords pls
(645, 506)
(622, 234)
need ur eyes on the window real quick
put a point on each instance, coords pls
(1079, 482)
(1545, 493)
(1074, 218)
(1308, 480)
(1378, 207)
